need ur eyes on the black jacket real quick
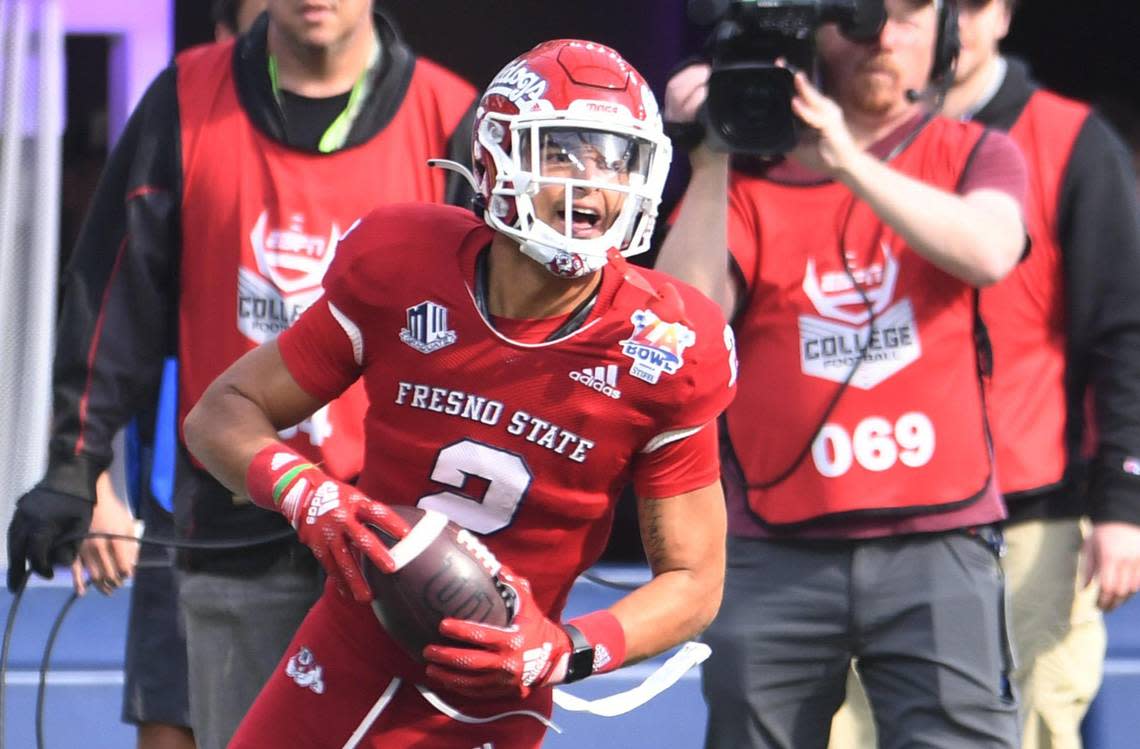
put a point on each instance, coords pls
(1099, 236)
(120, 302)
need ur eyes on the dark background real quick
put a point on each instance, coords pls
(1089, 49)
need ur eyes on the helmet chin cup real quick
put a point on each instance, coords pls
(559, 262)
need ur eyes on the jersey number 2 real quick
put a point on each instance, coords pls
(508, 479)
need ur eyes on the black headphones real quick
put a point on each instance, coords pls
(946, 45)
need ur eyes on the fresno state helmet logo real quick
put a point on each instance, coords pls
(293, 260)
(517, 83)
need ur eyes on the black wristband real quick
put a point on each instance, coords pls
(685, 135)
(581, 663)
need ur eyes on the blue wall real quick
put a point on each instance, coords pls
(83, 697)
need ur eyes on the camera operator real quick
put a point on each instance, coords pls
(1067, 317)
(858, 469)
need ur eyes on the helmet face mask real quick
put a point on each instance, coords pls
(570, 156)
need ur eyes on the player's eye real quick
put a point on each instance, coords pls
(560, 158)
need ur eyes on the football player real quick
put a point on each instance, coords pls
(519, 372)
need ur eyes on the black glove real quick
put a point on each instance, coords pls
(43, 518)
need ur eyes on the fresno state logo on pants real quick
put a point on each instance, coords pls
(833, 343)
(303, 669)
(289, 260)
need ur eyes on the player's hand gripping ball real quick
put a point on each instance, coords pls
(442, 571)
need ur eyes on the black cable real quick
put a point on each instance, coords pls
(10, 622)
(599, 580)
(8, 627)
(179, 543)
(872, 317)
(48, 647)
(156, 541)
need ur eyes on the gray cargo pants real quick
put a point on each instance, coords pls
(924, 614)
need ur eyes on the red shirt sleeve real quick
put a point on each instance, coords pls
(320, 352)
(997, 164)
(678, 467)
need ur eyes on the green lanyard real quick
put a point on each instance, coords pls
(337, 133)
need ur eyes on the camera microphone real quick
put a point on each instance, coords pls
(930, 93)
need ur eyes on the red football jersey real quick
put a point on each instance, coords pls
(526, 444)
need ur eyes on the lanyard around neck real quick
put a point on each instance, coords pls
(336, 135)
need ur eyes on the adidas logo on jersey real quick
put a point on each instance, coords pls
(602, 379)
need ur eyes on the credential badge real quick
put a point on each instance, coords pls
(427, 329)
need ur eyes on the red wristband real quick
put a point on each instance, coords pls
(277, 478)
(602, 630)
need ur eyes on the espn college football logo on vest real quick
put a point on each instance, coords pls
(830, 345)
(290, 259)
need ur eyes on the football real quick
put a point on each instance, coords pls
(442, 571)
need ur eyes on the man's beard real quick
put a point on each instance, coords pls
(876, 94)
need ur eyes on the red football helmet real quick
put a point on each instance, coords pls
(574, 116)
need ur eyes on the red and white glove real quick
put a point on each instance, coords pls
(328, 515)
(501, 661)
(511, 661)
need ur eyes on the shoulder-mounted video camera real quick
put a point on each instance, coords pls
(749, 105)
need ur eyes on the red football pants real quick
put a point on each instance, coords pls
(335, 686)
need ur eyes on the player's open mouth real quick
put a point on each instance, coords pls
(584, 219)
(585, 223)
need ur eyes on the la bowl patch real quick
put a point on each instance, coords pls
(656, 346)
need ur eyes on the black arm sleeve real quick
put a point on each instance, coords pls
(119, 295)
(1100, 236)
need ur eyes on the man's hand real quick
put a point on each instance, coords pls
(106, 562)
(828, 146)
(497, 662)
(1112, 556)
(43, 519)
(685, 94)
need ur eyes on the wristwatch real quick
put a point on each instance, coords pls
(581, 663)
